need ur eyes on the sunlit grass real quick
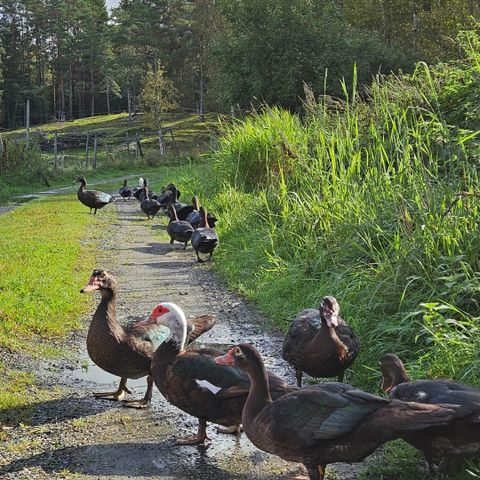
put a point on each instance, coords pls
(42, 266)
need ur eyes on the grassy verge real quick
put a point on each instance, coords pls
(44, 261)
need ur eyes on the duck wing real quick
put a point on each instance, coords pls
(302, 330)
(199, 325)
(321, 412)
(99, 196)
(221, 380)
(441, 392)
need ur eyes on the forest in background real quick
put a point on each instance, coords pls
(74, 58)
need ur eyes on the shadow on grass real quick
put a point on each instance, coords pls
(53, 411)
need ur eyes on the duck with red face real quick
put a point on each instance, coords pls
(126, 350)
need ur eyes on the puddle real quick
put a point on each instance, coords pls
(89, 372)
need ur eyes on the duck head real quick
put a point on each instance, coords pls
(243, 356)
(329, 311)
(393, 372)
(102, 281)
(173, 317)
(81, 180)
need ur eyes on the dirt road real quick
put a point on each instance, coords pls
(74, 436)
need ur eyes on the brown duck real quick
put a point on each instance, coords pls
(192, 381)
(461, 438)
(324, 423)
(320, 343)
(94, 199)
(126, 351)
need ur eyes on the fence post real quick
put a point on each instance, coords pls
(1, 147)
(161, 143)
(127, 141)
(139, 146)
(27, 121)
(55, 150)
(95, 145)
(86, 149)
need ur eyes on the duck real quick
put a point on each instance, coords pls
(179, 230)
(194, 218)
(126, 192)
(126, 351)
(166, 194)
(182, 209)
(323, 423)
(138, 190)
(461, 438)
(320, 343)
(92, 199)
(204, 239)
(150, 207)
(193, 382)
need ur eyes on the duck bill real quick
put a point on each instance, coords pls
(226, 359)
(92, 285)
(332, 319)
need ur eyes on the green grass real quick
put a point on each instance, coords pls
(46, 256)
(43, 263)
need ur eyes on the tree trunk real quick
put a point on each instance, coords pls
(70, 93)
(108, 98)
(92, 85)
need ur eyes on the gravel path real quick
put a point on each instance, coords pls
(75, 436)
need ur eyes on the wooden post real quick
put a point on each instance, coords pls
(161, 143)
(55, 150)
(137, 149)
(129, 102)
(127, 141)
(1, 146)
(95, 146)
(86, 150)
(27, 122)
(175, 143)
(139, 146)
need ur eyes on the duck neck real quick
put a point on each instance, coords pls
(204, 220)
(259, 394)
(331, 333)
(399, 376)
(173, 214)
(83, 185)
(195, 203)
(124, 183)
(106, 312)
